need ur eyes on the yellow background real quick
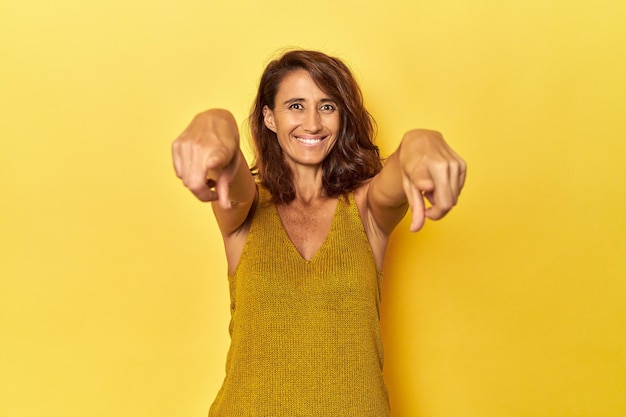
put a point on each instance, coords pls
(113, 295)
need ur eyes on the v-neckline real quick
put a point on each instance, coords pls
(317, 251)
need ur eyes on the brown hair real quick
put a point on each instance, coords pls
(354, 157)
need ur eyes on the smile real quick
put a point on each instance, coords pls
(309, 141)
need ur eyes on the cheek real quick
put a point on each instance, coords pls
(334, 123)
(289, 122)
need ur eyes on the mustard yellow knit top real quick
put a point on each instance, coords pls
(305, 335)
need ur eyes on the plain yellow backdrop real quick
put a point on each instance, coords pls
(113, 295)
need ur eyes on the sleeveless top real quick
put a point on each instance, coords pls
(305, 335)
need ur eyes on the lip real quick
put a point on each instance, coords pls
(310, 140)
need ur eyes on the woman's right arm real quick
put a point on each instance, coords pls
(208, 160)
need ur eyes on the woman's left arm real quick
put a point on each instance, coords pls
(423, 167)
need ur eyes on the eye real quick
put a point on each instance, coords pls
(328, 107)
(296, 106)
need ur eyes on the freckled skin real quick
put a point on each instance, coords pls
(307, 225)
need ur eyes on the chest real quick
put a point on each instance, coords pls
(307, 226)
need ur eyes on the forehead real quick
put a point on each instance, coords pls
(299, 83)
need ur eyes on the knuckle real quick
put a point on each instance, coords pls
(441, 165)
(445, 204)
(193, 184)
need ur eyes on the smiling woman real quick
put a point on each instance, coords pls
(305, 121)
(355, 159)
(305, 236)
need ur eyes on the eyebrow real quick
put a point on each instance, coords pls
(298, 99)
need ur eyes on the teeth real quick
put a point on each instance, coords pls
(308, 141)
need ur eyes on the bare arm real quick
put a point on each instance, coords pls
(208, 160)
(423, 166)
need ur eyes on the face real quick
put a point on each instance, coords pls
(305, 120)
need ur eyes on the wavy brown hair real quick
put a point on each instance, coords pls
(354, 157)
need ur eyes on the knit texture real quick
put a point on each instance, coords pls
(305, 335)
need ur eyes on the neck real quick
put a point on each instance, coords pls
(307, 182)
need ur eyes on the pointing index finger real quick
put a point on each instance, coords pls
(416, 205)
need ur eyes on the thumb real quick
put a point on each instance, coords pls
(223, 191)
(223, 177)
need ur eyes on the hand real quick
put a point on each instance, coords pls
(206, 155)
(430, 170)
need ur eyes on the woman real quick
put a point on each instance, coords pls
(305, 236)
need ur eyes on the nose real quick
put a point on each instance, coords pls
(312, 121)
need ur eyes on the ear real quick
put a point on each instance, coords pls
(268, 118)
